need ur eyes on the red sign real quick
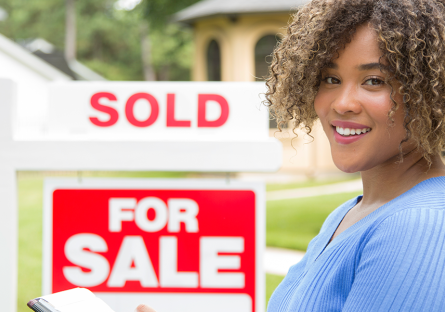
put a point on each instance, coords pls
(197, 241)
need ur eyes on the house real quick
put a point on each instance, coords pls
(47, 52)
(31, 69)
(232, 37)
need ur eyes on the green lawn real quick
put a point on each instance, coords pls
(290, 224)
(30, 240)
(310, 183)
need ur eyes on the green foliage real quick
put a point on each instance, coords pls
(292, 223)
(159, 11)
(108, 40)
(172, 57)
(31, 19)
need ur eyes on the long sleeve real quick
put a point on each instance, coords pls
(401, 265)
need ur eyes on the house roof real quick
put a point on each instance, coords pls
(83, 72)
(213, 8)
(47, 52)
(56, 59)
(31, 61)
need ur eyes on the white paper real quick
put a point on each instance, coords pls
(77, 299)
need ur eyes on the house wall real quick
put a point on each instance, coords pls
(31, 93)
(31, 90)
(237, 40)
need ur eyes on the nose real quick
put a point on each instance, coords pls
(346, 101)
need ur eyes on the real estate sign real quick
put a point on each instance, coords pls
(142, 126)
(177, 245)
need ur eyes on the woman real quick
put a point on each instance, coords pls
(373, 73)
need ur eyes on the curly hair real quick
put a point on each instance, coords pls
(411, 37)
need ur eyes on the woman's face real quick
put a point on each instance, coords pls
(353, 104)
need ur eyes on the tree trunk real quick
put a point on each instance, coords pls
(149, 73)
(70, 31)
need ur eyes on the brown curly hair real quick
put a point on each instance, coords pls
(411, 36)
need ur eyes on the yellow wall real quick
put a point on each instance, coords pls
(237, 40)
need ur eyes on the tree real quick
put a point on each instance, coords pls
(175, 43)
(70, 30)
(108, 40)
(158, 12)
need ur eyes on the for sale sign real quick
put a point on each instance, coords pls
(177, 245)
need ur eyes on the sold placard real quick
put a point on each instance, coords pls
(157, 111)
(176, 245)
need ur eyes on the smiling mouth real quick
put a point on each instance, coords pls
(350, 131)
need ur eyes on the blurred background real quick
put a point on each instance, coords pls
(42, 41)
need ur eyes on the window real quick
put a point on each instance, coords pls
(263, 57)
(213, 61)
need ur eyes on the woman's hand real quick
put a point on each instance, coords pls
(144, 308)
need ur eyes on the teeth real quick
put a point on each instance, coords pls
(348, 131)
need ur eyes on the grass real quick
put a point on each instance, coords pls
(30, 241)
(309, 183)
(290, 224)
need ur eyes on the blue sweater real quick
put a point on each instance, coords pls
(392, 260)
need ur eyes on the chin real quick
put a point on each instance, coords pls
(347, 168)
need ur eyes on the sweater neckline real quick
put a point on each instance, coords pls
(426, 185)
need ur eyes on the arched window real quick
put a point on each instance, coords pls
(263, 56)
(263, 51)
(213, 61)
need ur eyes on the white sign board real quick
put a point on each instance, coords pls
(158, 111)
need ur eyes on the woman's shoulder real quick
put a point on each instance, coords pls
(419, 210)
(428, 194)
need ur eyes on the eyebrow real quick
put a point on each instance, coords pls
(367, 66)
(370, 66)
(331, 65)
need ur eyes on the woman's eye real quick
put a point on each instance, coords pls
(374, 82)
(331, 80)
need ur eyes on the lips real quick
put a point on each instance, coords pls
(348, 124)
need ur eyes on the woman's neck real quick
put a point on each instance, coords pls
(384, 183)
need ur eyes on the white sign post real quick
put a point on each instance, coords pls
(225, 135)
